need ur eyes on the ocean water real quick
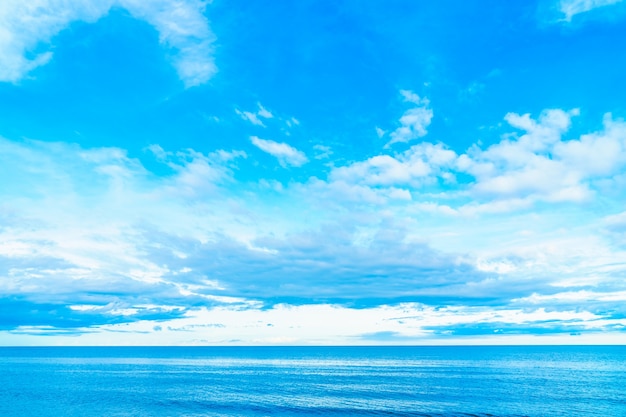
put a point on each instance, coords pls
(313, 381)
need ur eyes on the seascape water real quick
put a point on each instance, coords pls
(303, 381)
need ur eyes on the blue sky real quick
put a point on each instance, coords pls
(345, 172)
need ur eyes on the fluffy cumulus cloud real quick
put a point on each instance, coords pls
(421, 163)
(535, 164)
(524, 166)
(570, 8)
(540, 165)
(29, 27)
(286, 154)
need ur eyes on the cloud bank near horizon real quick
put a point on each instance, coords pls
(100, 240)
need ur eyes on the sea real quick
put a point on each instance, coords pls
(313, 381)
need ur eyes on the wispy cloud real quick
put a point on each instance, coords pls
(571, 8)
(323, 152)
(255, 117)
(26, 24)
(286, 154)
(181, 25)
(414, 121)
(183, 29)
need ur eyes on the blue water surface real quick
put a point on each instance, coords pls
(303, 381)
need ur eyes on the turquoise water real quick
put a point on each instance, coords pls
(303, 381)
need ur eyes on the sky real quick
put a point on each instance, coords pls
(184, 172)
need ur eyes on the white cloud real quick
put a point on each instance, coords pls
(414, 121)
(25, 25)
(413, 167)
(326, 324)
(93, 208)
(323, 152)
(615, 227)
(263, 112)
(597, 154)
(198, 173)
(254, 118)
(251, 117)
(571, 8)
(522, 169)
(286, 154)
(77, 222)
(541, 165)
(574, 297)
(183, 28)
(411, 97)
